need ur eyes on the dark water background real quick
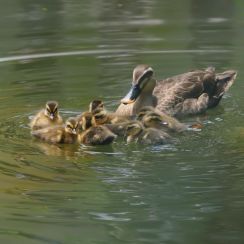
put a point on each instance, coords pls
(75, 51)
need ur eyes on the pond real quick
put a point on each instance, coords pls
(76, 51)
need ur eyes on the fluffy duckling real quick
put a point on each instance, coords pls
(153, 118)
(103, 117)
(96, 104)
(118, 128)
(86, 120)
(94, 134)
(135, 132)
(67, 133)
(47, 117)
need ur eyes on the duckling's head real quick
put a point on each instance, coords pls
(153, 120)
(142, 82)
(95, 104)
(100, 116)
(133, 130)
(145, 110)
(87, 120)
(72, 126)
(51, 110)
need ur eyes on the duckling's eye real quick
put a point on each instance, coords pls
(69, 126)
(55, 110)
(156, 119)
(130, 128)
(48, 110)
(99, 116)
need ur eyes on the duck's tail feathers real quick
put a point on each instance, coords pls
(223, 82)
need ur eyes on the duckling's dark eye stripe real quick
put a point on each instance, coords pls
(99, 116)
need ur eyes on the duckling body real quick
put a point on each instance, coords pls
(172, 95)
(92, 133)
(118, 129)
(46, 117)
(97, 135)
(135, 132)
(59, 134)
(153, 118)
(103, 117)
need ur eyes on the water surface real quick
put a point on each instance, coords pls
(73, 52)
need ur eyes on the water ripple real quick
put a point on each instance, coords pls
(105, 51)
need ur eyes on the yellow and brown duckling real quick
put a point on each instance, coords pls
(86, 120)
(92, 133)
(67, 133)
(47, 117)
(118, 129)
(103, 117)
(96, 104)
(135, 132)
(152, 118)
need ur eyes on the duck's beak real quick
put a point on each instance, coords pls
(132, 95)
(74, 131)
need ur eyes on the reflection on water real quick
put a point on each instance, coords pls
(188, 192)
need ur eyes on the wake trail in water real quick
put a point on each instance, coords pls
(118, 52)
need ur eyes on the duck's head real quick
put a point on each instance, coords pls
(133, 130)
(153, 120)
(87, 120)
(51, 110)
(142, 81)
(95, 104)
(100, 116)
(72, 126)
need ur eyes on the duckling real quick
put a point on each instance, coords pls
(135, 132)
(93, 134)
(118, 128)
(95, 104)
(151, 117)
(103, 117)
(86, 120)
(67, 133)
(47, 117)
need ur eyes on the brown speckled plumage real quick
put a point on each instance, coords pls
(189, 93)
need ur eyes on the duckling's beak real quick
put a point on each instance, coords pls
(51, 116)
(132, 95)
(74, 131)
(164, 123)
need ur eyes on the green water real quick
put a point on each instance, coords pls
(76, 51)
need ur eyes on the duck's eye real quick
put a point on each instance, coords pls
(48, 110)
(69, 126)
(55, 111)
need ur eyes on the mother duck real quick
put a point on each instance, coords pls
(189, 93)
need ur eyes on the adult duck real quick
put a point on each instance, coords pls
(189, 93)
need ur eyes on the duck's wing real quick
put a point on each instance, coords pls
(50, 134)
(176, 89)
